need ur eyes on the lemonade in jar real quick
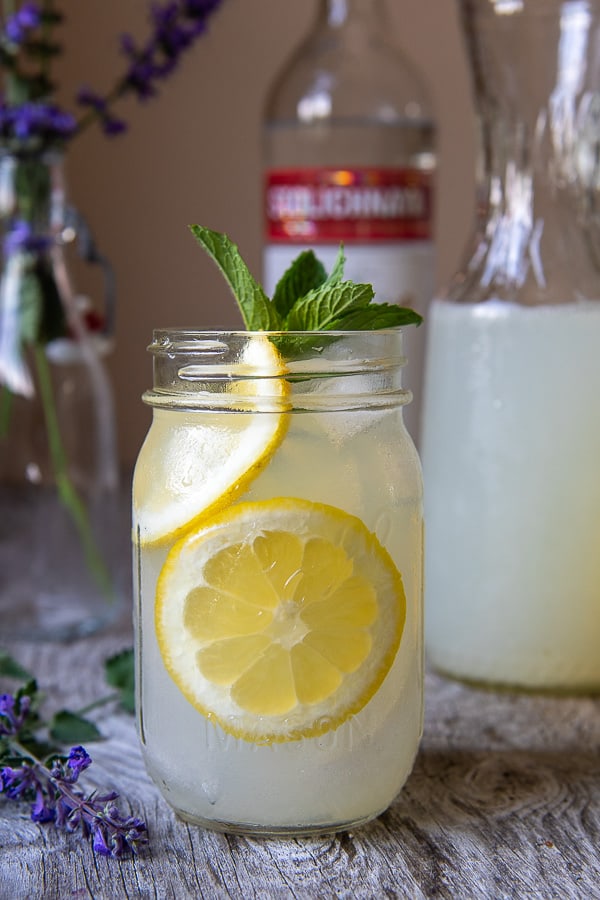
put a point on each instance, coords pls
(278, 563)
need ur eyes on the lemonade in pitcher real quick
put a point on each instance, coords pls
(278, 558)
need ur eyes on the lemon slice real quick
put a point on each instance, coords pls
(195, 463)
(280, 619)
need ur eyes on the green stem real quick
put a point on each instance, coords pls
(102, 701)
(66, 490)
(22, 751)
(6, 399)
(47, 26)
(119, 90)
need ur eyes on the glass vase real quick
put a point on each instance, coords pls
(59, 500)
(511, 438)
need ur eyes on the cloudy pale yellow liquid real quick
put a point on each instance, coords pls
(511, 460)
(363, 463)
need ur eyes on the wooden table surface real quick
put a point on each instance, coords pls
(503, 802)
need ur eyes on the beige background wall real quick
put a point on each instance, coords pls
(193, 155)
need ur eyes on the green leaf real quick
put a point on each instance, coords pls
(304, 274)
(53, 323)
(120, 674)
(68, 727)
(337, 273)
(320, 308)
(296, 346)
(31, 303)
(29, 689)
(7, 757)
(258, 312)
(374, 317)
(10, 668)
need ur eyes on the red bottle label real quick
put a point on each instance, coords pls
(329, 205)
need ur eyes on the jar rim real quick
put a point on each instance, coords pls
(183, 332)
(167, 341)
(191, 366)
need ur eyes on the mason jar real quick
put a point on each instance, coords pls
(277, 512)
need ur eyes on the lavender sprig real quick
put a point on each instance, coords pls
(49, 787)
(175, 26)
(26, 112)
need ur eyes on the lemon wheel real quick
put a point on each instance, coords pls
(279, 619)
(198, 462)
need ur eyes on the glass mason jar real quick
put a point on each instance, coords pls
(511, 438)
(60, 522)
(278, 555)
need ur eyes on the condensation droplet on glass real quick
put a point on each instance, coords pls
(212, 789)
(383, 525)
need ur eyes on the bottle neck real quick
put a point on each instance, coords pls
(538, 169)
(341, 14)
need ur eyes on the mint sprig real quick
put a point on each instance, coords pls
(306, 298)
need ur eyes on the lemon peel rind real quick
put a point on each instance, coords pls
(224, 501)
(321, 724)
(243, 480)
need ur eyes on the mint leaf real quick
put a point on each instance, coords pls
(337, 273)
(320, 308)
(70, 728)
(304, 274)
(10, 668)
(119, 672)
(258, 312)
(374, 317)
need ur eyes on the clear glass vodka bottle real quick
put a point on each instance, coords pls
(349, 156)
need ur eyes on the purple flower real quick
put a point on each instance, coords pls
(24, 782)
(140, 76)
(24, 20)
(100, 843)
(14, 782)
(113, 834)
(55, 799)
(21, 238)
(51, 788)
(110, 124)
(88, 97)
(68, 770)
(176, 24)
(30, 120)
(19, 782)
(77, 761)
(13, 713)
(41, 810)
(198, 9)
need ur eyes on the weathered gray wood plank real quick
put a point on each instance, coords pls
(504, 802)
